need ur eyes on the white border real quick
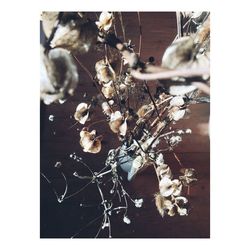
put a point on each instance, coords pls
(20, 124)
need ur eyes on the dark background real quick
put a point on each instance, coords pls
(58, 141)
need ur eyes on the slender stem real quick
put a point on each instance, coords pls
(122, 25)
(91, 222)
(53, 189)
(100, 228)
(77, 192)
(73, 125)
(96, 122)
(140, 32)
(115, 24)
(66, 187)
(177, 158)
(156, 171)
(151, 98)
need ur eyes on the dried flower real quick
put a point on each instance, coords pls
(89, 142)
(170, 187)
(48, 21)
(108, 90)
(106, 109)
(176, 113)
(178, 53)
(105, 21)
(177, 101)
(82, 112)
(159, 202)
(174, 140)
(75, 35)
(182, 211)
(58, 76)
(105, 72)
(126, 219)
(188, 177)
(117, 124)
(168, 205)
(138, 202)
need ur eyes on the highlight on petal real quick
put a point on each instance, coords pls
(105, 21)
(108, 90)
(104, 72)
(89, 142)
(106, 109)
(82, 113)
(176, 114)
(166, 187)
(116, 120)
(177, 101)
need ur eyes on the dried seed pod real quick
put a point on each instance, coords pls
(170, 187)
(59, 76)
(106, 109)
(108, 90)
(116, 120)
(75, 36)
(104, 72)
(179, 53)
(82, 113)
(49, 19)
(105, 21)
(89, 142)
(176, 113)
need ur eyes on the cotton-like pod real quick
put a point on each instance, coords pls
(89, 142)
(170, 187)
(82, 113)
(104, 72)
(177, 101)
(176, 114)
(75, 35)
(106, 109)
(116, 120)
(105, 21)
(179, 53)
(108, 90)
(58, 75)
(49, 19)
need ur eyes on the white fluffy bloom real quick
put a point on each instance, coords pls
(170, 187)
(138, 202)
(105, 21)
(126, 220)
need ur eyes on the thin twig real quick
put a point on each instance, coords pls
(151, 98)
(140, 32)
(122, 25)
